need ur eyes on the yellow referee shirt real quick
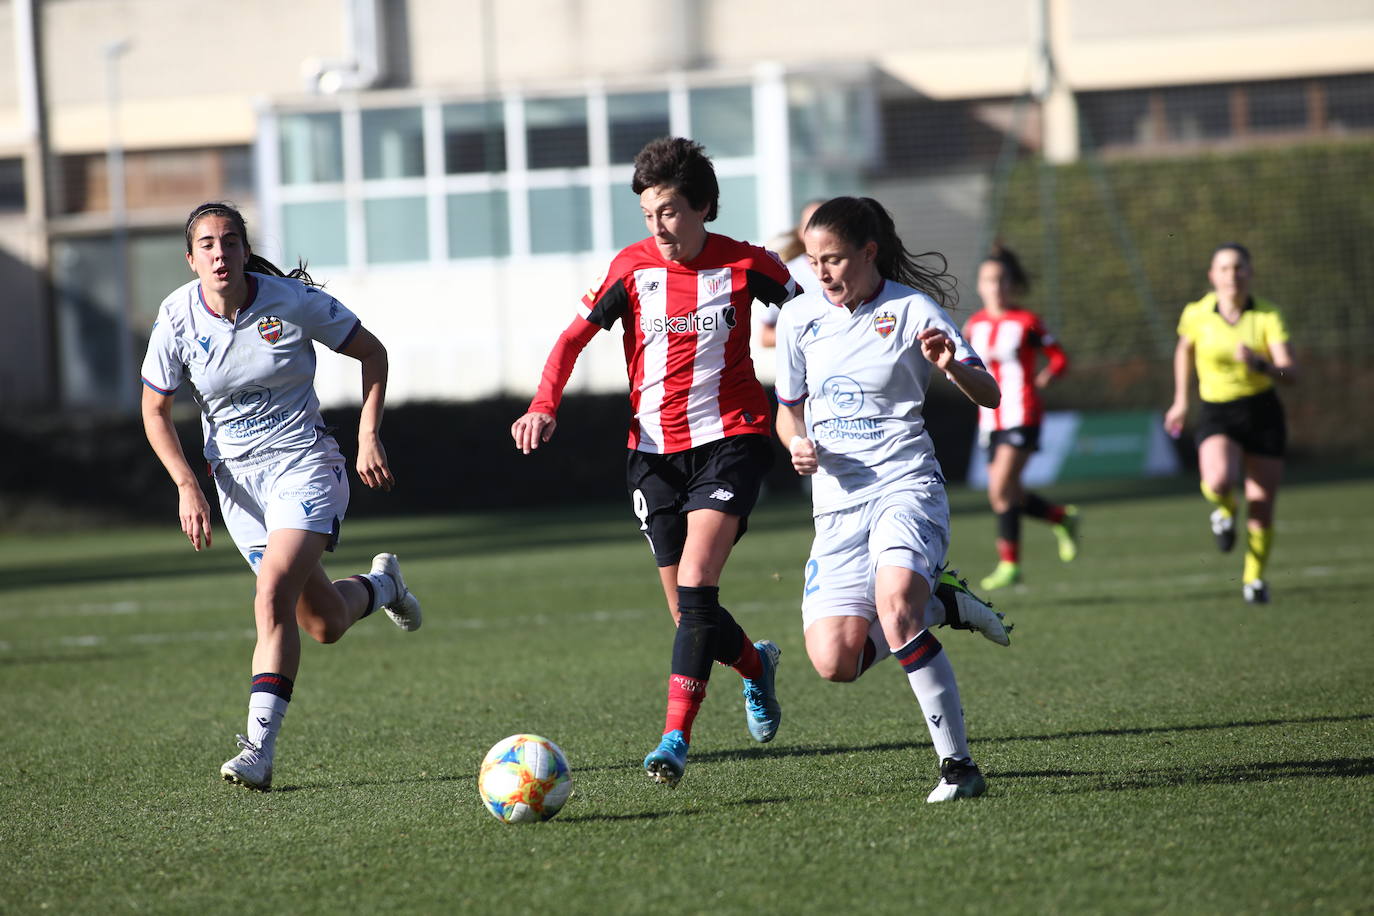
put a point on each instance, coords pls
(1221, 377)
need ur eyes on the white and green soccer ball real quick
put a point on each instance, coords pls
(524, 778)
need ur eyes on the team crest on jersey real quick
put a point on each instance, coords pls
(269, 329)
(884, 323)
(717, 284)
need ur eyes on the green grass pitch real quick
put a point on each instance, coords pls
(1151, 743)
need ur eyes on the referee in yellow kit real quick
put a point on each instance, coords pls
(1240, 346)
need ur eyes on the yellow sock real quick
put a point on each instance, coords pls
(1224, 501)
(1257, 544)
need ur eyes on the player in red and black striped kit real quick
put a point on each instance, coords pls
(1010, 339)
(698, 445)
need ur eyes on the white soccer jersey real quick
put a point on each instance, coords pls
(254, 377)
(866, 381)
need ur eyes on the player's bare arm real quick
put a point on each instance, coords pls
(977, 384)
(192, 508)
(791, 427)
(372, 465)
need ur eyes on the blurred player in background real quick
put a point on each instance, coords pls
(1239, 344)
(792, 250)
(860, 357)
(1010, 340)
(698, 445)
(243, 335)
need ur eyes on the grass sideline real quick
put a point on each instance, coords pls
(1151, 743)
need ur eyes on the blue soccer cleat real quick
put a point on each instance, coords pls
(762, 713)
(665, 763)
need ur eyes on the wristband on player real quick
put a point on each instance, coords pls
(1259, 365)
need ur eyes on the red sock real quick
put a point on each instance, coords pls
(684, 701)
(748, 664)
(1008, 551)
(1055, 515)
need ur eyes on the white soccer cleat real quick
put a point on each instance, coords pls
(966, 611)
(958, 779)
(252, 768)
(404, 610)
(1255, 592)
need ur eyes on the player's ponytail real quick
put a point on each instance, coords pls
(256, 263)
(1016, 274)
(860, 220)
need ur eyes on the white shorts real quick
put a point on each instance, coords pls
(908, 528)
(304, 489)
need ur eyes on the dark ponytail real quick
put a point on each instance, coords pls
(1016, 274)
(256, 263)
(860, 220)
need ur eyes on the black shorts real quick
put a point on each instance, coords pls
(1255, 422)
(1022, 437)
(724, 475)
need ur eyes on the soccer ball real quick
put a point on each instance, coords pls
(524, 778)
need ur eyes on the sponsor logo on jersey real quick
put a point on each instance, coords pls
(269, 328)
(333, 310)
(693, 323)
(845, 395)
(884, 323)
(251, 399)
(254, 558)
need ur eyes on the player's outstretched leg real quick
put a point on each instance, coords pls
(666, 763)
(966, 611)
(761, 710)
(404, 608)
(958, 779)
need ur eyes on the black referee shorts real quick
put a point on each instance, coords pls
(725, 475)
(1255, 422)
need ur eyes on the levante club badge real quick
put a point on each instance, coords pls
(883, 323)
(269, 329)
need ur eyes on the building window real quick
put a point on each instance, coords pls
(393, 143)
(560, 219)
(556, 133)
(478, 225)
(11, 185)
(311, 148)
(1350, 102)
(474, 138)
(634, 119)
(314, 231)
(397, 230)
(723, 120)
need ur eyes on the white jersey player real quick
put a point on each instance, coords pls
(242, 337)
(861, 357)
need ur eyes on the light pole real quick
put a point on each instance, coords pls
(125, 391)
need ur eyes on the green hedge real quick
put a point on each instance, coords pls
(1126, 243)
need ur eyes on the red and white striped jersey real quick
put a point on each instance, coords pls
(1008, 343)
(686, 339)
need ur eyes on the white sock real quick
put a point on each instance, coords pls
(265, 712)
(938, 694)
(383, 589)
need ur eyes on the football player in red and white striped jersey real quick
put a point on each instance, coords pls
(698, 442)
(1010, 339)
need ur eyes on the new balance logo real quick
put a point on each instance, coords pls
(723, 495)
